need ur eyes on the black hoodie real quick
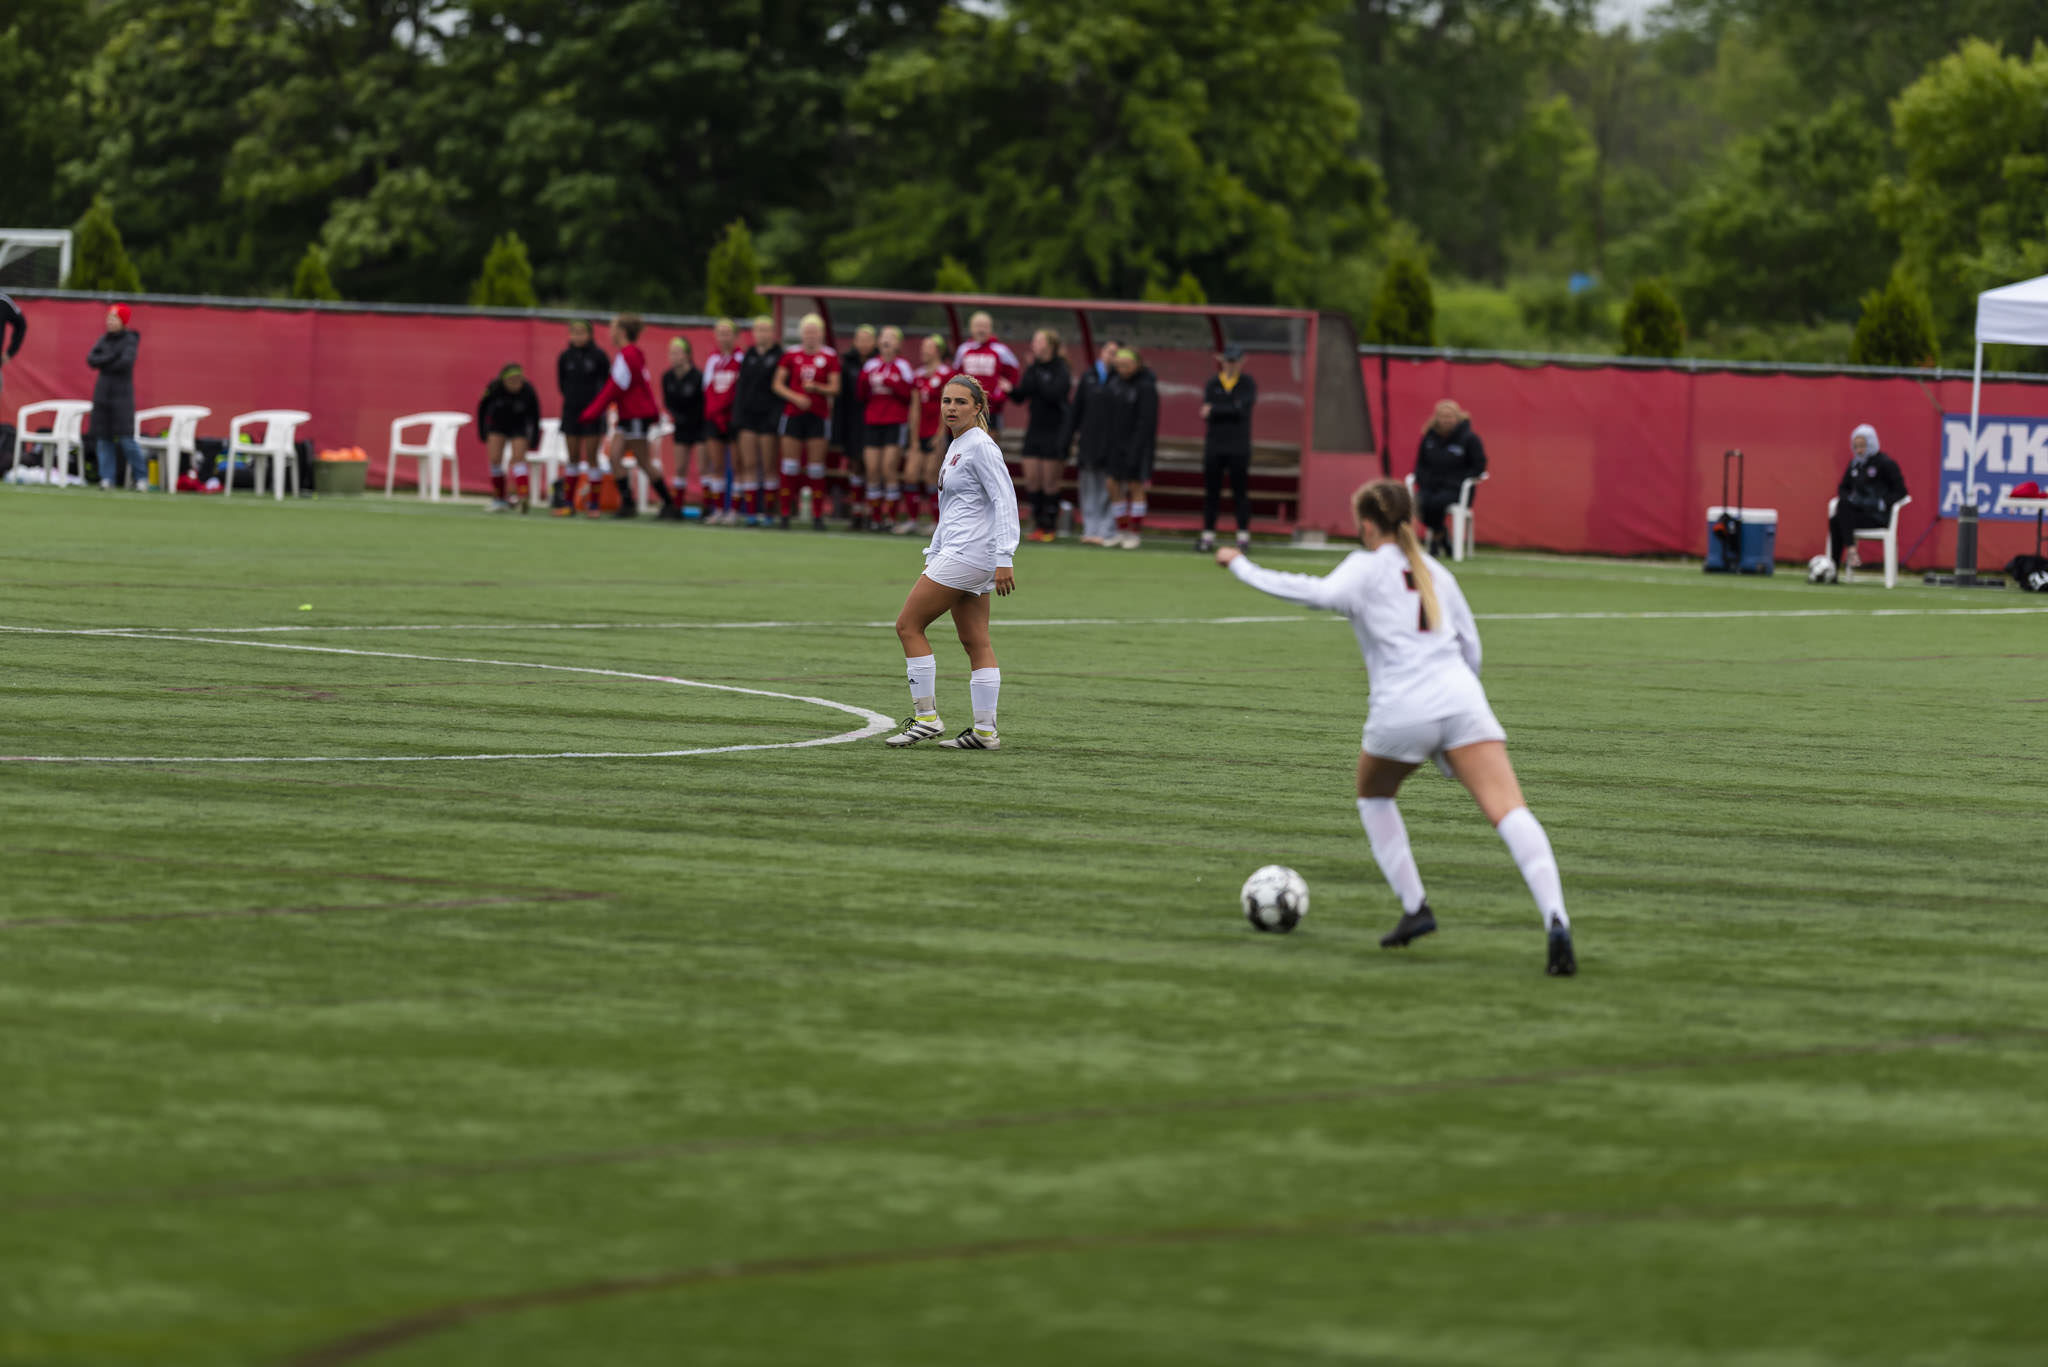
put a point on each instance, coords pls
(1444, 463)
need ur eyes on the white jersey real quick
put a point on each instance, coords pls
(1413, 673)
(977, 504)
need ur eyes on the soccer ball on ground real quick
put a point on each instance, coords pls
(1820, 570)
(1275, 899)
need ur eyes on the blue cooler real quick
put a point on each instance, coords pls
(1758, 544)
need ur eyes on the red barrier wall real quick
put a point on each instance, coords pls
(1627, 461)
(1616, 460)
(354, 372)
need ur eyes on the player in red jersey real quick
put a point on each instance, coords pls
(989, 361)
(886, 386)
(921, 471)
(721, 387)
(630, 387)
(806, 381)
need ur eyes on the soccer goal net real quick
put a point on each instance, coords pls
(1310, 429)
(34, 258)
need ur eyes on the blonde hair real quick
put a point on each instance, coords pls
(938, 344)
(865, 329)
(762, 320)
(687, 349)
(1388, 506)
(893, 331)
(973, 386)
(810, 318)
(725, 323)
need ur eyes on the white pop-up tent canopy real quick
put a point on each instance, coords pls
(2011, 313)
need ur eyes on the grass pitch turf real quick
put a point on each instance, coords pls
(842, 1055)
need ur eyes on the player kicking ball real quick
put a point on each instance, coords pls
(1421, 650)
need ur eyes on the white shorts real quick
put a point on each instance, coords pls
(956, 573)
(1411, 740)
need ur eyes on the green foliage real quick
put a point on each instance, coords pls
(1186, 290)
(732, 272)
(1971, 206)
(1155, 145)
(1897, 326)
(311, 280)
(1404, 307)
(507, 278)
(953, 278)
(1554, 310)
(34, 129)
(1783, 230)
(98, 260)
(1651, 324)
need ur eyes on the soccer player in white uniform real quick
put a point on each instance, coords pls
(971, 553)
(1421, 650)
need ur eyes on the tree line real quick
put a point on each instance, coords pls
(1782, 179)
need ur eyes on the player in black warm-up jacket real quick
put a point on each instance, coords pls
(1047, 385)
(1227, 402)
(756, 415)
(12, 320)
(580, 373)
(1870, 488)
(508, 416)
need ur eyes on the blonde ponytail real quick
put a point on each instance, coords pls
(1387, 504)
(1418, 567)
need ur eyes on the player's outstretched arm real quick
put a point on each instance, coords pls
(1309, 590)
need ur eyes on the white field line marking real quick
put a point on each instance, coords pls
(1702, 614)
(874, 722)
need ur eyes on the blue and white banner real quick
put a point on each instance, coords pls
(2008, 453)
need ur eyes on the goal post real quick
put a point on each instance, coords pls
(1312, 437)
(35, 258)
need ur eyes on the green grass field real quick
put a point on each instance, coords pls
(841, 1055)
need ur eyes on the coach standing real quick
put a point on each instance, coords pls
(1451, 453)
(1227, 445)
(113, 400)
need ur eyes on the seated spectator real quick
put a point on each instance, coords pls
(1451, 453)
(1869, 489)
(113, 401)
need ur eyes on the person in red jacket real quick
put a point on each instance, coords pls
(921, 474)
(630, 387)
(807, 380)
(721, 387)
(989, 361)
(886, 386)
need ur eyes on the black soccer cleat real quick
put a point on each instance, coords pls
(1413, 925)
(1561, 963)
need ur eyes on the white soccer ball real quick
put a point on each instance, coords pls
(1820, 570)
(1275, 898)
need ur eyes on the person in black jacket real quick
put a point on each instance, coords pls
(1227, 445)
(508, 419)
(1044, 385)
(755, 411)
(1134, 393)
(580, 373)
(682, 394)
(1869, 489)
(1089, 436)
(849, 426)
(113, 401)
(13, 320)
(1450, 454)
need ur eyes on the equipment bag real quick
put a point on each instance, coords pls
(2030, 572)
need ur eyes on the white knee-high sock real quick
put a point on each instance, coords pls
(982, 687)
(924, 684)
(1389, 837)
(1531, 849)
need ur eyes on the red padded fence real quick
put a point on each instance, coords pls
(354, 372)
(1609, 459)
(1626, 461)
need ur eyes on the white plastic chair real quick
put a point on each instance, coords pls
(1889, 534)
(275, 453)
(437, 449)
(64, 436)
(180, 437)
(545, 465)
(1463, 535)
